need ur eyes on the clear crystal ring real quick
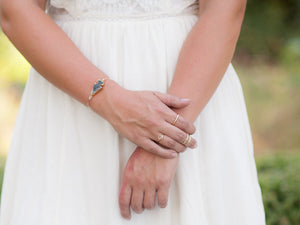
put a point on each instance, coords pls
(160, 137)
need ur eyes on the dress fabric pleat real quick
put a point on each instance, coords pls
(65, 162)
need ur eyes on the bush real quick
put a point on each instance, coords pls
(280, 183)
(268, 26)
(291, 52)
(2, 164)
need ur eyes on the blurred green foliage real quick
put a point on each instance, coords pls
(272, 94)
(267, 61)
(279, 179)
(2, 165)
(271, 30)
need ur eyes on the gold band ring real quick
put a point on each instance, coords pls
(160, 137)
(188, 142)
(187, 139)
(177, 116)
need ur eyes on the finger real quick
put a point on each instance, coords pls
(124, 200)
(149, 198)
(178, 135)
(171, 144)
(182, 123)
(172, 100)
(153, 147)
(162, 196)
(137, 200)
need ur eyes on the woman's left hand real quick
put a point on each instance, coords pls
(144, 175)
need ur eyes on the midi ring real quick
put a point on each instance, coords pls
(160, 137)
(187, 139)
(177, 116)
(188, 142)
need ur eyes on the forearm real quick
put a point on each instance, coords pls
(48, 49)
(138, 116)
(205, 56)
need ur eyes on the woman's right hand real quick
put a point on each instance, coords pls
(141, 116)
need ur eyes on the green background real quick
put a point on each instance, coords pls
(267, 61)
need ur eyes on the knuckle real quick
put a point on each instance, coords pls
(160, 110)
(163, 202)
(193, 129)
(125, 214)
(150, 122)
(139, 180)
(179, 122)
(149, 205)
(157, 94)
(169, 99)
(161, 181)
(127, 175)
(136, 136)
(193, 142)
(123, 203)
(182, 148)
(151, 183)
(181, 136)
(136, 208)
(171, 143)
(154, 149)
(185, 124)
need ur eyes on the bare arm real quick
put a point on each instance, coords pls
(40, 40)
(138, 116)
(203, 60)
(207, 52)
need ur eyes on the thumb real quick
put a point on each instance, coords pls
(172, 100)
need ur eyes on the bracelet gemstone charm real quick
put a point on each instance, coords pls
(98, 85)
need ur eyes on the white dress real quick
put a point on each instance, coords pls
(65, 162)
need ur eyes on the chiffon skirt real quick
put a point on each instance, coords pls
(65, 163)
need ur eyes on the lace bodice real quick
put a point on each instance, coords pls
(119, 8)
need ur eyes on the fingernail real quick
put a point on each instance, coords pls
(185, 99)
(174, 154)
(128, 218)
(194, 145)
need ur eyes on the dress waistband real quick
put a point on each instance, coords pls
(62, 15)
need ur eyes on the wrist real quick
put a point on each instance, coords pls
(99, 102)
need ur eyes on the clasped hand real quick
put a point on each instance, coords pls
(143, 116)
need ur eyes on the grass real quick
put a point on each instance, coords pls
(272, 94)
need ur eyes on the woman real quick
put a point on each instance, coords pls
(160, 72)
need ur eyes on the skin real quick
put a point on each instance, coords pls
(203, 60)
(139, 116)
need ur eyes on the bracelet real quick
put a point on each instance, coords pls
(98, 85)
